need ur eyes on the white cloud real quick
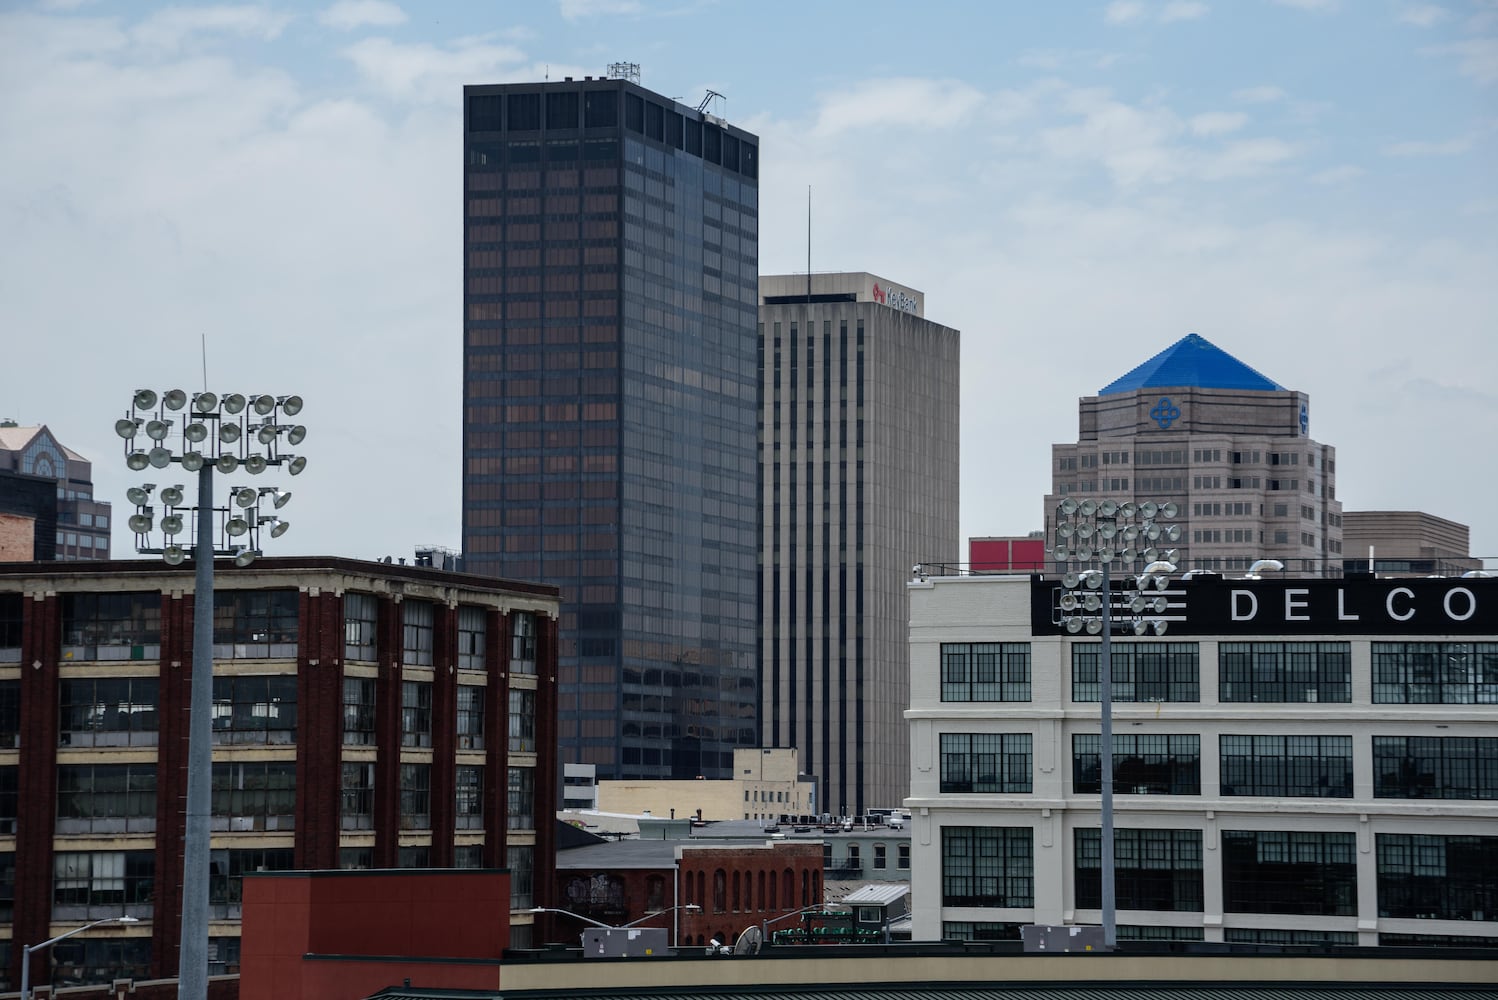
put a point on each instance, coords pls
(1123, 11)
(1312, 5)
(1218, 122)
(1259, 95)
(1182, 10)
(1338, 175)
(346, 15)
(899, 104)
(1419, 147)
(1424, 15)
(431, 74)
(169, 27)
(574, 10)
(1477, 58)
(1246, 158)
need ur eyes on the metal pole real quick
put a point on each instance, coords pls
(1105, 762)
(192, 973)
(26, 973)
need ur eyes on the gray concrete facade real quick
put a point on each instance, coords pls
(859, 463)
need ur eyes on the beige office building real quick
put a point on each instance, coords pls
(1231, 448)
(766, 785)
(858, 457)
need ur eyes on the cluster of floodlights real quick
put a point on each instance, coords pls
(231, 432)
(1111, 533)
(227, 434)
(239, 522)
(1105, 530)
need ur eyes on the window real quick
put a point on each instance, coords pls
(107, 711)
(1287, 936)
(521, 801)
(471, 638)
(416, 643)
(468, 856)
(1285, 872)
(985, 671)
(979, 930)
(521, 862)
(470, 717)
(254, 624)
(1438, 878)
(360, 624)
(8, 791)
(1311, 766)
(254, 795)
(111, 626)
(1143, 764)
(470, 790)
(10, 628)
(254, 708)
(522, 720)
(881, 857)
(987, 866)
(1153, 869)
(1285, 672)
(357, 808)
(89, 885)
(414, 856)
(416, 796)
(522, 643)
(106, 798)
(1142, 671)
(226, 876)
(10, 714)
(985, 762)
(1435, 673)
(1435, 767)
(902, 857)
(7, 887)
(416, 713)
(358, 711)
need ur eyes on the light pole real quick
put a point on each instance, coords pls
(228, 434)
(27, 951)
(1108, 532)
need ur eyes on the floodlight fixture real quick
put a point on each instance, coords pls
(291, 405)
(140, 495)
(172, 496)
(126, 428)
(174, 399)
(144, 399)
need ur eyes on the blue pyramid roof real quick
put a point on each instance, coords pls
(1195, 362)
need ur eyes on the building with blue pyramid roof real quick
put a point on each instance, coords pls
(1232, 449)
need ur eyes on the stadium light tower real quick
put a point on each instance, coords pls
(204, 433)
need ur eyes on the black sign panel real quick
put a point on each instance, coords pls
(1221, 606)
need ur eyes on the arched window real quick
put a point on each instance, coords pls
(720, 891)
(773, 900)
(655, 893)
(788, 891)
(805, 887)
(761, 896)
(737, 894)
(702, 889)
(816, 888)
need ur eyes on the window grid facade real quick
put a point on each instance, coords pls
(1307, 872)
(1142, 671)
(1315, 766)
(986, 762)
(1153, 869)
(988, 866)
(1435, 673)
(985, 671)
(1435, 767)
(1143, 764)
(1284, 672)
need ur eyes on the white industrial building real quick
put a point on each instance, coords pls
(1296, 761)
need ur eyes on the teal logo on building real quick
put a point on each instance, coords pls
(1305, 420)
(1165, 413)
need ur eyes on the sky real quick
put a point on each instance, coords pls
(272, 193)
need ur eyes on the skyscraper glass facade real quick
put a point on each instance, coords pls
(610, 403)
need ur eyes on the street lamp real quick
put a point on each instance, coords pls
(201, 433)
(1107, 532)
(27, 951)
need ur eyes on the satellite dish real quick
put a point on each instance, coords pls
(749, 941)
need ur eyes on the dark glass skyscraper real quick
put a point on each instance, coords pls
(610, 402)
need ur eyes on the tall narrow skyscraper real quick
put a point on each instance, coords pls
(859, 450)
(610, 392)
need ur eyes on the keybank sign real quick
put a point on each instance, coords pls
(895, 299)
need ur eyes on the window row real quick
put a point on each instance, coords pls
(1404, 673)
(1310, 766)
(1311, 873)
(257, 624)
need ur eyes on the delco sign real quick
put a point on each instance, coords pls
(895, 299)
(1220, 606)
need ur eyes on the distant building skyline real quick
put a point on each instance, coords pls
(610, 390)
(69, 525)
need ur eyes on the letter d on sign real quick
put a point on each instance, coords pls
(1239, 615)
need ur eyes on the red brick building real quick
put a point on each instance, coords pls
(365, 715)
(733, 885)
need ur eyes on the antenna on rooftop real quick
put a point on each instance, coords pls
(627, 71)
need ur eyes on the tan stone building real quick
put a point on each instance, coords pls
(1231, 448)
(1406, 541)
(766, 784)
